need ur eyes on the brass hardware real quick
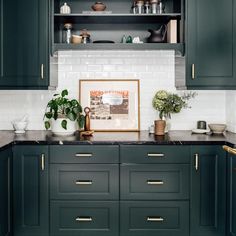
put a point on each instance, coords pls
(156, 155)
(84, 219)
(83, 182)
(42, 71)
(43, 162)
(196, 164)
(193, 71)
(155, 219)
(229, 149)
(83, 154)
(155, 182)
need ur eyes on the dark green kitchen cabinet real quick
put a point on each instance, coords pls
(30, 187)
(231, 201)
(208, 191)
(210, 44)
(24, 46)
(5, 192)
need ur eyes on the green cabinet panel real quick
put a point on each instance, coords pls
(89, 154)
(94, 218)
(152, 218)
(208, 191)
(5, 192)
(30, 187)
(85, 182)
(210, 44)
(24, 47)
(231, 196)
(154, 154)
(154, 182)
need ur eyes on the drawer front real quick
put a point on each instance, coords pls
(84, 218)
(84, 154)
(152, 218)
(93, 181)
(154, 154)
(155, 182)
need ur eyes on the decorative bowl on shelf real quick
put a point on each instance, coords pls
(217, 128)
(98, 6)
(76, 39)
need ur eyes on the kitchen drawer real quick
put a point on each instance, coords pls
(152, 218)
(84, 218)
(91, 181)
(155, 182)
(154, 154)
(84, 154)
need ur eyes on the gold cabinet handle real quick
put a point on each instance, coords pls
(42, 71)
(229, 149)
(196, 161)
(156, 155)
(193, 71)
(83, 155)
(83, 182)
(84, 219)
(42, 162)
(155, 219)
(155, 182)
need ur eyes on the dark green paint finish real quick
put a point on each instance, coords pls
(93, 154)
(5, 192)
(24, 44)
(134, 218)
(208, 191)
(231, 224)
(103, 178)
(104, 218)
(136, 181)
(210, 43)
(30, 187)
(146, 154)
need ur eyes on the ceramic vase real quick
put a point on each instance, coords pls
(160, 127)
(58, 130)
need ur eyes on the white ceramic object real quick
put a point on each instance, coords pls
(217, 128)
(200, 131)
(19, 126)
(58, 130)
(65, 9)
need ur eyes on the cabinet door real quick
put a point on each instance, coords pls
(24, 43)
(30, 187)
(232, 196)
(5, 192)
(208, 191)
(211, 52)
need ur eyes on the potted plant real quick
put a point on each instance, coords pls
(63, 115)
(166, 104)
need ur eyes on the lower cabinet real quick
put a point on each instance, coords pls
(30, 186)
(208, 191)
(5, 192)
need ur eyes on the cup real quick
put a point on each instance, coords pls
(201, 124)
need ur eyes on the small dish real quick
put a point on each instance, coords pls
(217, 128)
(19, 131)
(200, 131)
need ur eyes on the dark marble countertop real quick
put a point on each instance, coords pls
(8, 138)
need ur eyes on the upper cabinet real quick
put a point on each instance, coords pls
(117, 21)
(210, 44)
(24, 46)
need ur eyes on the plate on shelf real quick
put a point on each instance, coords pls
(200, 131)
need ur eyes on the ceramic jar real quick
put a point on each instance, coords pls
(160, 127)
(98, 6)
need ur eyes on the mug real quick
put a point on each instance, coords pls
(201, 124)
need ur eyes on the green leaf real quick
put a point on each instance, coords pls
(74, 102)
(81, 121)
(48, 115)
(76, 110)
(64, 124)
(72, 116)
(64, 93)
(47, 125)
(56, 94)
(55, 116)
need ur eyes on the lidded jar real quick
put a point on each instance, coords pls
(67, 33)
(85, 36)
(65, 9)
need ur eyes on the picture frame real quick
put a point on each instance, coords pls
(114, 104)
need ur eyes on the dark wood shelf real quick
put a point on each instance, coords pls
(118, 15)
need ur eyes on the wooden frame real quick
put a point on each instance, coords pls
(121, 109)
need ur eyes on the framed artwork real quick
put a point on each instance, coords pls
(114, 104)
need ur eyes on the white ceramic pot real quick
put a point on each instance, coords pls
(58, 130)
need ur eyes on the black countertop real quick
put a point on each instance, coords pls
(8, 138)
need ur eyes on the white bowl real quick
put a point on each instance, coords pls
(19, 125)
(217, 128)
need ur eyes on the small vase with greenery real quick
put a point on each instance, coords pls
(167, 103)
(63, 115)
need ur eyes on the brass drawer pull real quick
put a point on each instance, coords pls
(84, 219)
(83, 154)
(83, 182)
(155, 182)
(229, 149)
(156, 155)
(193, 71)
(42, 162)
(42, 71)
(155, 219)
(196, 164)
